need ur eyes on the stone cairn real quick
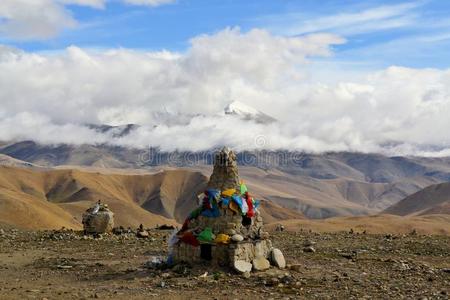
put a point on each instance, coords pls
(98, 219)
(227, 228)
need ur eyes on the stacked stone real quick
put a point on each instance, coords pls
(225, 174)
(98, 220)
(231, 224)
(244, 244)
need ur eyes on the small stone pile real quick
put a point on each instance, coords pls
(98, 219)
(227, 228)
(142, 232)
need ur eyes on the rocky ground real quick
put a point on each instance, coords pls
(68, 265)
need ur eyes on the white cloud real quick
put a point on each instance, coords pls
(45, 19)
(364, 21)
(46, 97)
(38, 19)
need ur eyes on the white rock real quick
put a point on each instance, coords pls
(237, 238)
(231, 232)
(277, 258)
(242, 266)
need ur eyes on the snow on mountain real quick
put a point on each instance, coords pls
(166, 118)
(237, 107)
(247, 112)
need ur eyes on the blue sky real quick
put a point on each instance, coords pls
(378, 33)
(347, 75)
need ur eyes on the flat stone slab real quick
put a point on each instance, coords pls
(277, 258)
(260, 264)
(242, 266)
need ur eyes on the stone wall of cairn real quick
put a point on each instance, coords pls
(249, 250)
(231, 224)
(225, 255)
(220, 254)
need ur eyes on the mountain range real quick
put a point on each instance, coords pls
(292, 185)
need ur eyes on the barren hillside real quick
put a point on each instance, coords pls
(40, 199)
(434, 199)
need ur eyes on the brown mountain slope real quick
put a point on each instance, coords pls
(27, 211)
(33, 192)
(304, 195)
(318, 185)
(324, 198)
(41, 199)
(379, 224)
(434, 199)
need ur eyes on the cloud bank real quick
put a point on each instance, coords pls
(47, 97)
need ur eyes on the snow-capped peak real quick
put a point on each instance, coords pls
(240, 108)
(247, 112)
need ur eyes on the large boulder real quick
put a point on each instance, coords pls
(97, 221)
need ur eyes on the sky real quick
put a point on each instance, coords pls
(370, 76)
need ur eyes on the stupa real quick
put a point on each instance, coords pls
(227, 228)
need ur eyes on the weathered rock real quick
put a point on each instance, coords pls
(142, 234)
(260, 264)
(277, 258)
(309, 249)
(100, 222)
(242, 266)
(237, 238)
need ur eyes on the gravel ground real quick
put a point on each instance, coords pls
(68, 265)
